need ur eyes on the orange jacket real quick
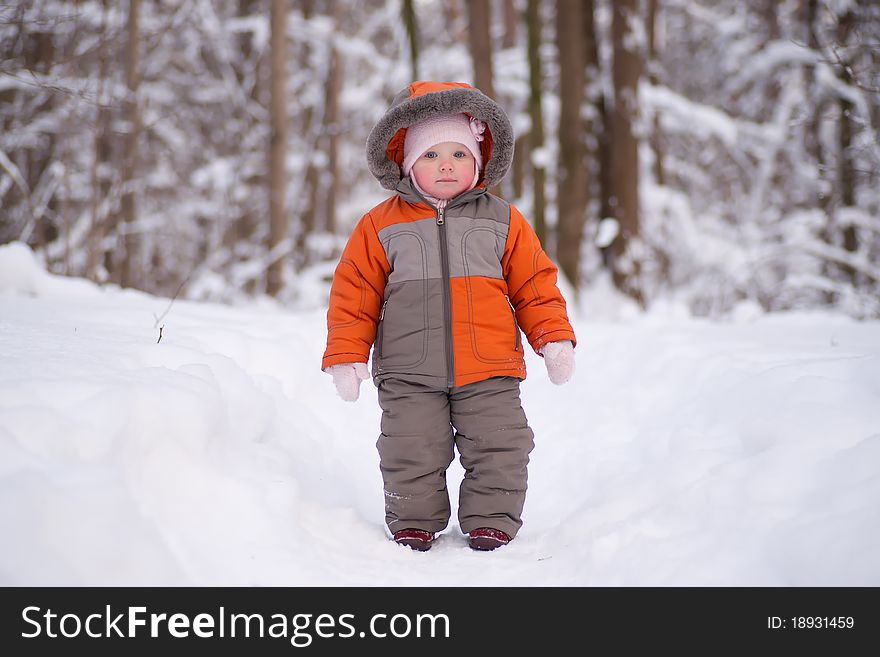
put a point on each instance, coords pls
(441, 295)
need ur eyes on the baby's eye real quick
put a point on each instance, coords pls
(460, 154)
(430, 155)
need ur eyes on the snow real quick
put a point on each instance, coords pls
(606, 231)
(683, 452)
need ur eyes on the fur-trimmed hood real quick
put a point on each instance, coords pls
(421, 100)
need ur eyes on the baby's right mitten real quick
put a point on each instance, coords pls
(347, 378)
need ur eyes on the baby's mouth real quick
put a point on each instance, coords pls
(447, 180)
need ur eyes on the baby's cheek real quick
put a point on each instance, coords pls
(421, 178)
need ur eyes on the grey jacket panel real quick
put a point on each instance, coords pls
(410, 337)
(476, 233)
(412, 250)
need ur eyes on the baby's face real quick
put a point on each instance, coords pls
(445, 170)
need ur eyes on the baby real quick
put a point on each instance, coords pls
(438, 280)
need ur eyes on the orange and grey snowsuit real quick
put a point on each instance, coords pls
(440, 296)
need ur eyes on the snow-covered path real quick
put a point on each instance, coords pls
(684, 452)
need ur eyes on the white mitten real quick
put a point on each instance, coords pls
(559, 359)
(347, 378)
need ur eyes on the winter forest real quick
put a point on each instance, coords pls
(711, 151)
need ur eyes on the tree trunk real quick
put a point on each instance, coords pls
(654, 68)
(596, 129)
(247, 222)
(307, 204)
(480, 41)
(846, 180)
(100, 155)
(814, 91)
(452, 16)
(768, 11)
(333, 126)
(624, 151)
(572, 176)
(511, 23)
(130, 274)
(38, 59)
(536, 133)
(277, 145)
(514, 183)
(411, 24)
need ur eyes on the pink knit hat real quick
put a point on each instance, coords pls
(459, 128)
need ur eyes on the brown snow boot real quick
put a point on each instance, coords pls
(486, 538)
(417, 539)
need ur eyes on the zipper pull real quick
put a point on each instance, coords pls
(382, 312)
(440, 220)
(515, 325)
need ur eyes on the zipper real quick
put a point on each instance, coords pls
(380, 331)
(516, 342)
(447, 299)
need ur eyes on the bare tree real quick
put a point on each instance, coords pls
(572, 176)
(277, 146)
(846, 178)
(812, 136)
(41, 55)
(514, 183)
(129, 273)
(411, 24)
(653, 76)
(510, 16)
(536, 132)
(480, 42)
(333, 124)
(597, 134)
(307, 204)
(247, 71)
(100, 155)
(29, 207)
(624, 152)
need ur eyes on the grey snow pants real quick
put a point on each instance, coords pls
(421, 425)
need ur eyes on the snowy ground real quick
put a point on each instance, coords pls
(684, 452)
